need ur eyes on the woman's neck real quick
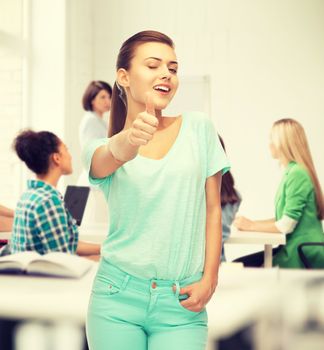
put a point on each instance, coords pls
(99, 114)
(284, 162)
(51, 178)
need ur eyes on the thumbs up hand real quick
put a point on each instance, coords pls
(145, 124)
(124, 145)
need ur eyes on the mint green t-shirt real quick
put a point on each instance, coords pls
(158, 207)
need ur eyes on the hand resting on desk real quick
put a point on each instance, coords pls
(89, 250)
(242, 223)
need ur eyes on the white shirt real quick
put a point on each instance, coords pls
(92, 127)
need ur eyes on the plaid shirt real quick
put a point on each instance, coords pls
(42, 222)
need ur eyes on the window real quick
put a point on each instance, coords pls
(12, 58)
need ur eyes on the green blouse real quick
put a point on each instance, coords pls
(295, 198)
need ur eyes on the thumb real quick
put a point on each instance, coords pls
(185, 290)
(149, 104)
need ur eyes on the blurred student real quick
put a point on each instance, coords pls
(299, 206)
(96, 101)
(6, 218)
(42, 222)
(230, 201)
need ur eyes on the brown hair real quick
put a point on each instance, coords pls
(92, 91)
(35, 149)
(118, 110)
(228, 191)
(289, 138)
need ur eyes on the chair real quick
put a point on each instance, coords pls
(303, 256)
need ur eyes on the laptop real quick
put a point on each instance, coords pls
(75, 199)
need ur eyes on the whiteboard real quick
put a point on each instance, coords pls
(193, 95)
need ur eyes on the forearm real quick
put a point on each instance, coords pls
(86, 248)
(213, 245)
(264, 226)
(121, 147)
(108, 158)
(267, 221)
(5, 223)
(92, 257)
(6, 211)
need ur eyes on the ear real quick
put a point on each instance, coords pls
(122, 77)
(56, 158)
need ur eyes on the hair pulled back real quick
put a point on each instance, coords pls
(118, 110)
(35, 149)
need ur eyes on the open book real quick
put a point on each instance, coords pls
(51, 264)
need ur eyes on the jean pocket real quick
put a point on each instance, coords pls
(182, 308)
(105, 286)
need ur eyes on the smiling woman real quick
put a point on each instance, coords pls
(151, 60)
(161, 178)
(157, 55)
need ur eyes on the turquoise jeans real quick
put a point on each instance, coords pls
(129, 313)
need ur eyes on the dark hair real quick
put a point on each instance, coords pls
(92, 91)
(228, 191)
(118, 110)
(35, 149)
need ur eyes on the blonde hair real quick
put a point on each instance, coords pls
(289, 137)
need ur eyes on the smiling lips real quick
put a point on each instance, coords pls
(164, 89)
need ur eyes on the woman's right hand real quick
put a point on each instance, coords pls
(124, 146)
(145, 124)
(243, 223)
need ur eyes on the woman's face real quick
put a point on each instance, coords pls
(273, 149)
(101, 103)
(65, 159)
(153, 69)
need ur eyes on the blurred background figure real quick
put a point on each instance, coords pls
(230, 201)
(6, 218)
(42, 221)
(299, 206)
(96, 102)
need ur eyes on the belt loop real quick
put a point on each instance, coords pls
(126, 279)
(177, 291)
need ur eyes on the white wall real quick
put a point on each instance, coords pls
(275, 70)
(57, 64)
(12, 51)
(46, 61)
(79, 72)
(47, 65)
(265, 59)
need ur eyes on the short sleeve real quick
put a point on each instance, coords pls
(87, 154)
(216, 157)
(298, 188)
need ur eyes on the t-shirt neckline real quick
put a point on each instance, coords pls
(172, 148)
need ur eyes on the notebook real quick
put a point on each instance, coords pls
(75, 199)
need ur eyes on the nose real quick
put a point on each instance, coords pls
(165, 74)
